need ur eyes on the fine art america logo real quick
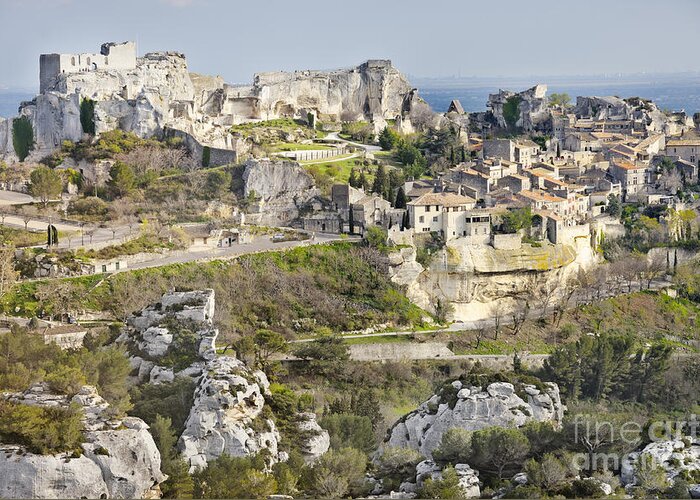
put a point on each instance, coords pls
(609, 444)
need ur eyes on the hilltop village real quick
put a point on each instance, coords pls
(315, 285)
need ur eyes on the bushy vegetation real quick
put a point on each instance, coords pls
(41, 430)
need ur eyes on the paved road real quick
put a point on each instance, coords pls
(14, 198)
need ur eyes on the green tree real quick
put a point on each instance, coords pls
(206, 156)
(229, 477)
(325, 348)
(354, 180)
(87, 115)
(445, 487)
(388, 139)
(179, 483)
(45, 184)
(350, 431)
(614, 207)
(268, 343)
(338, 473)
(218, 182)
(455, 446)
(381, 182)
(547, 473)
(400, 201)
(515, 220)
(22, 137)
(497, 449)
(122, 179)
(511, 111)
(560, 100)
(375, 237)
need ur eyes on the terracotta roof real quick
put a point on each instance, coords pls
(539, 196)
(695, 141)
(443, 199)
(627, 165)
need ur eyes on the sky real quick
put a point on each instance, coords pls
(423, 38)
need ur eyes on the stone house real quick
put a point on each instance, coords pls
(201, 235)
(633, 177)
(450, 215)
(686, 148)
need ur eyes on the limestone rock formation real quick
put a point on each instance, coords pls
(474, 279)
(119, 459)
(531, 104)
(473, 408)
(156, 95)
(280, 187)
(226, 414)
(319, 440)
(679, 457)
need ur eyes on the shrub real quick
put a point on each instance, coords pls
(91, 206)
(41, 429)
(22, 137)
(351, 431)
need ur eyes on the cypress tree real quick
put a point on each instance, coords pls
(353, 180)
(380, 181)
(464, 154)
(363, 182)
(400, 198)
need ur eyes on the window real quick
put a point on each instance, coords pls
(427, 208)
(72, 61)
(116, 266)
(88, 61)
(104, 268)
(421, 219)
(435, 219)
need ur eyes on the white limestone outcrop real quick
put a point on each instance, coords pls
(280, 187)
(473, 408)
(678, 457)
(119, 457)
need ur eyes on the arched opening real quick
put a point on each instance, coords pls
(72, 61)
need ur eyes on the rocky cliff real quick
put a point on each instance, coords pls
(530, 109)
(227, 414)
(477, 278)
(159, 95)
(280, 189)
(119, 457)
(473, 408)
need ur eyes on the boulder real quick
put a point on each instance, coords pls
(474, 409)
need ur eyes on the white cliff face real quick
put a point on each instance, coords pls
(228, 400)
(282, 188)
(533, 113)
(159, 95)
(475, 279)
(119, 459)
(473, 408)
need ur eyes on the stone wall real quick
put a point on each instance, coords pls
(506, 241)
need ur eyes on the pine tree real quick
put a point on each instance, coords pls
(400, 198)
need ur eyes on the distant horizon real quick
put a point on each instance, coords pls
(535, 78)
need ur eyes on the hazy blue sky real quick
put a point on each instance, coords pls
(423, 37)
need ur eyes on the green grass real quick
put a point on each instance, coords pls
(379, 339)
(501, 347)
(22, 238)
(338, 171)
(296, 146)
